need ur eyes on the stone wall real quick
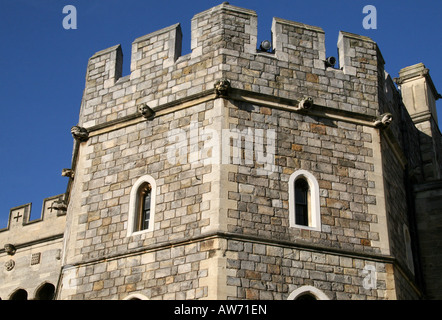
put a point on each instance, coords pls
(173, 272)
(268, 271)
(429, 213)
(337, 153)
(113, 159)
(205, 185)
(220, 131)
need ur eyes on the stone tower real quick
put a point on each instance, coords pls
(240, 172)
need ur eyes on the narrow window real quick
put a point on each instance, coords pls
(304, 204)
(144, 200)
(301, 202)
(408, 250)
(142, 206)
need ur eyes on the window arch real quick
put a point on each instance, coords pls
(304, 205)
(45, 292)
(19, 294)
(136, 296)
(142, 206)
(307, 293)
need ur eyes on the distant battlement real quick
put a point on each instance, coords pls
(20, 230)
(224, 46)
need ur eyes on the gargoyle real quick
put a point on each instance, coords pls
(146, 111)
(10, 249)
(222, 88)
(67, 173)
(305, 103)
(58, 205)
(384, 120)
(80, 133)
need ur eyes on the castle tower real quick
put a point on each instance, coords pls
(186, 185)
(239, 172)
(419, 95)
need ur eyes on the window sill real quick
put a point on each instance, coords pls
(299, 226)
(136, 233)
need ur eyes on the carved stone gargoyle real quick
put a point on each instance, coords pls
(146, 111)
(59, 205)
(10, 249)
(67, 173)
(222, 88)
(79, 133)
(305, 103)
(383, 121)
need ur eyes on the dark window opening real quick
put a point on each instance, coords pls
(20, 294)
(301, 202)
(144, 200)
(306, 296)
(46, 292)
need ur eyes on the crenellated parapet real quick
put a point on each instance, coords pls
(21, 229)
(31, 251)
(224, 46)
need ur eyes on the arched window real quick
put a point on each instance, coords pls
(19, 294)
(304, 205)
(307, 293)
(45, 292)
(135, 296)
(142, 206)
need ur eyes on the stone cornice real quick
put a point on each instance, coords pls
(416, 71)
(239, 95)
(35, 242)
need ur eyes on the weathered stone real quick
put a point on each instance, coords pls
(228, 126)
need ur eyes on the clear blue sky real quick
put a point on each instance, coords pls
(42, 66)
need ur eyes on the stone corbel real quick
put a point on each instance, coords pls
(79, 133)
(398, 81)
(67, 173)
(425, 72)
(59, 205)
(305, 103)
(383, 121)
(222, 88)
(10, 249)
(146, 112)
